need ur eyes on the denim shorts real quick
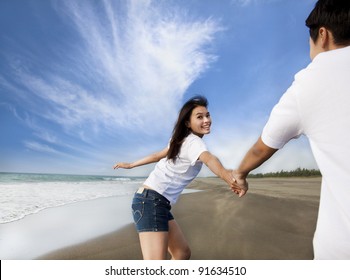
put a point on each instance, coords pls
(151, 211)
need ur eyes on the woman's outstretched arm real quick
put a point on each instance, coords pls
(155, 157)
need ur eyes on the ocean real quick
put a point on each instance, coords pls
(23, 194)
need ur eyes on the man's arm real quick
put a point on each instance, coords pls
(256, 156)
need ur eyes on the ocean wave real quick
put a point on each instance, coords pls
(122, 179)
(20, 200)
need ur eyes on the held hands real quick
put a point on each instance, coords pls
(240, 185)
(124, 165)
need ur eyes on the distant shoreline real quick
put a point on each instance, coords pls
(298, 172)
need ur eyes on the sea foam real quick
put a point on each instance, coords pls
(25, 194)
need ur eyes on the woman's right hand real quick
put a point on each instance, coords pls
(125, 165)
(240, 186)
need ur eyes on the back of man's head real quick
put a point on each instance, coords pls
(333, 15)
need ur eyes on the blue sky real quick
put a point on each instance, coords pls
(84, 84)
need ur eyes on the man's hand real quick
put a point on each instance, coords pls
(240, 185)
(238, 188)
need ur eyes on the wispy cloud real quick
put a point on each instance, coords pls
(131, 65)
(39, 147)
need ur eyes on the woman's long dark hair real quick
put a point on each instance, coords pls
(181, 131)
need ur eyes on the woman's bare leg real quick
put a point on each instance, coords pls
(154, 245)
(177, 244)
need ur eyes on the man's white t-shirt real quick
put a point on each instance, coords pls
(170, 178)
(318, 105)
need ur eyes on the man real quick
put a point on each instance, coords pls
(317, 104)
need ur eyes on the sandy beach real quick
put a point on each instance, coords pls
(275, 221)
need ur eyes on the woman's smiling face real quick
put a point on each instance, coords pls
(200, 121)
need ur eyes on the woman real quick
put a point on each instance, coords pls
(177, 166)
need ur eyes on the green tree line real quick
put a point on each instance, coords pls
(299, 172)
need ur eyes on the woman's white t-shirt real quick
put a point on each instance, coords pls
(170, 178)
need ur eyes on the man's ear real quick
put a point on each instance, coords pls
(326, 38)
